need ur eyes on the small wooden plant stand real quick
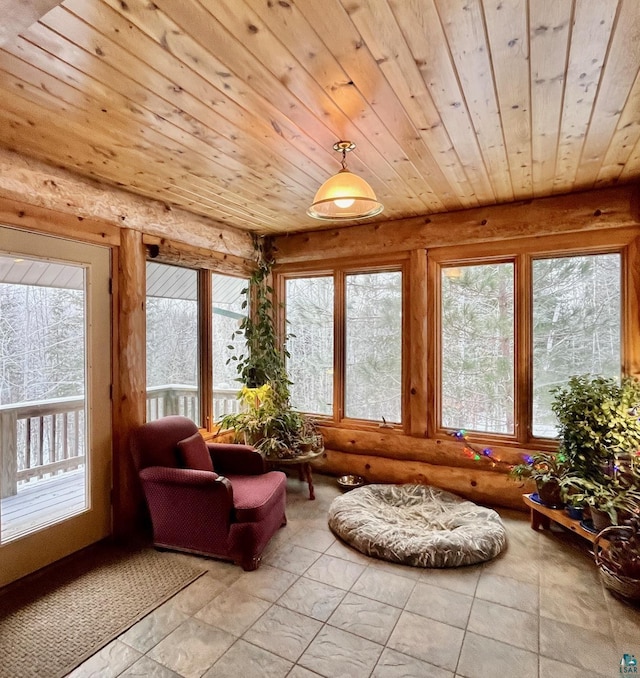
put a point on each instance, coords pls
(543, 516)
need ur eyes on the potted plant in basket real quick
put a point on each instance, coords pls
(617, 555)
(266, 419)
(547, 469)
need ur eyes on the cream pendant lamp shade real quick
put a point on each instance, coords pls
(345, 195)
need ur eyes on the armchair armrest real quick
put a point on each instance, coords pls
(236, 459)
(186, 479)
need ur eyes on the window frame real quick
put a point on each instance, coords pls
(523, 252)
(204, 283)
(339, 270)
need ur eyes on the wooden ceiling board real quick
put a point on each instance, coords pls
(593, 24)
(230, 108)
(621, 67)
(421, 29)
(549, 32)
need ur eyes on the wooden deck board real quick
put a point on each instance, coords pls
(42, 503)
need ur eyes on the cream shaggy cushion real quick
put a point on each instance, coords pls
(417, 525)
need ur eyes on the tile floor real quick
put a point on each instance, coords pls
(319, 608)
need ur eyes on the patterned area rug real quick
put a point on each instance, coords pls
(52, 621)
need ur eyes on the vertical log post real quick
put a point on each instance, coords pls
(130, 363)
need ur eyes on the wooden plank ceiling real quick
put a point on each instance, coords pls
(230, 108)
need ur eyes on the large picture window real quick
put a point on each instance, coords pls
(309, 304)
(172, 342)
(226, 315)
(576, 326)
(477, 347)
(373, 354)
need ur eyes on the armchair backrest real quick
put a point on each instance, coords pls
(155, 443)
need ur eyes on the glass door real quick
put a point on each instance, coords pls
(55, 424)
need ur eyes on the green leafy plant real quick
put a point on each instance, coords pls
(547, 469)
(266, 419)
(598, 421)
(542, 466)
(611, 496)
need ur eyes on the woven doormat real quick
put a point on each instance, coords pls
(52, 621)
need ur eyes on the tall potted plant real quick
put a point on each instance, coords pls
(266, 419)
(599, 429)
(598, 423)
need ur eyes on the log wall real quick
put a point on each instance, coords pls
(418, 450)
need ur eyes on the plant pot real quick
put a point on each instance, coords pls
(549, 493)
(574, 512)
(600, 519)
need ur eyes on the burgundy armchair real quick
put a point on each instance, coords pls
(225, 504)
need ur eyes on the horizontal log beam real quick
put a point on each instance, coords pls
(484, 487)
(593, 210)
(34, 182)
(169, 252)
(426, 450)
(54, 222)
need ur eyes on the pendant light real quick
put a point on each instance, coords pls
(344, 196)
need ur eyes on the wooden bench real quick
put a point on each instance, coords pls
(543, 516)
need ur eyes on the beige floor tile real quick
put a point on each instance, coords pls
(577, 646)
(427, 639)
(147, 668)
(335, 571)
(200, 592)
(585, 608)
(291, 558)
(312, 598)
(192, 648)
(550, 668)
(109, 662)
(314, 539)
(508, 591)
(384, 587)
(301, 672)
(364, 617)
(267, 582)
(245, 660)
(394, 664)
(487, 658)
(150, 630)
(505, 624)
(233, 611)
(336, 653)
(283, 632)
(341, 550)
(396, 569)
(458, 579)
(440, 604)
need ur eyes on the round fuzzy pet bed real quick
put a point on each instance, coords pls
(417, 525)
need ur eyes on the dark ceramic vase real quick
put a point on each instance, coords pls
(549, 493)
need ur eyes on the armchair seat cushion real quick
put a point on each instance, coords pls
(254, 497)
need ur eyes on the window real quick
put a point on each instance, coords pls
(309, 304)
(576, 326)
(172, 342)
(477, 347)
(373, 353)
(226, 315)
